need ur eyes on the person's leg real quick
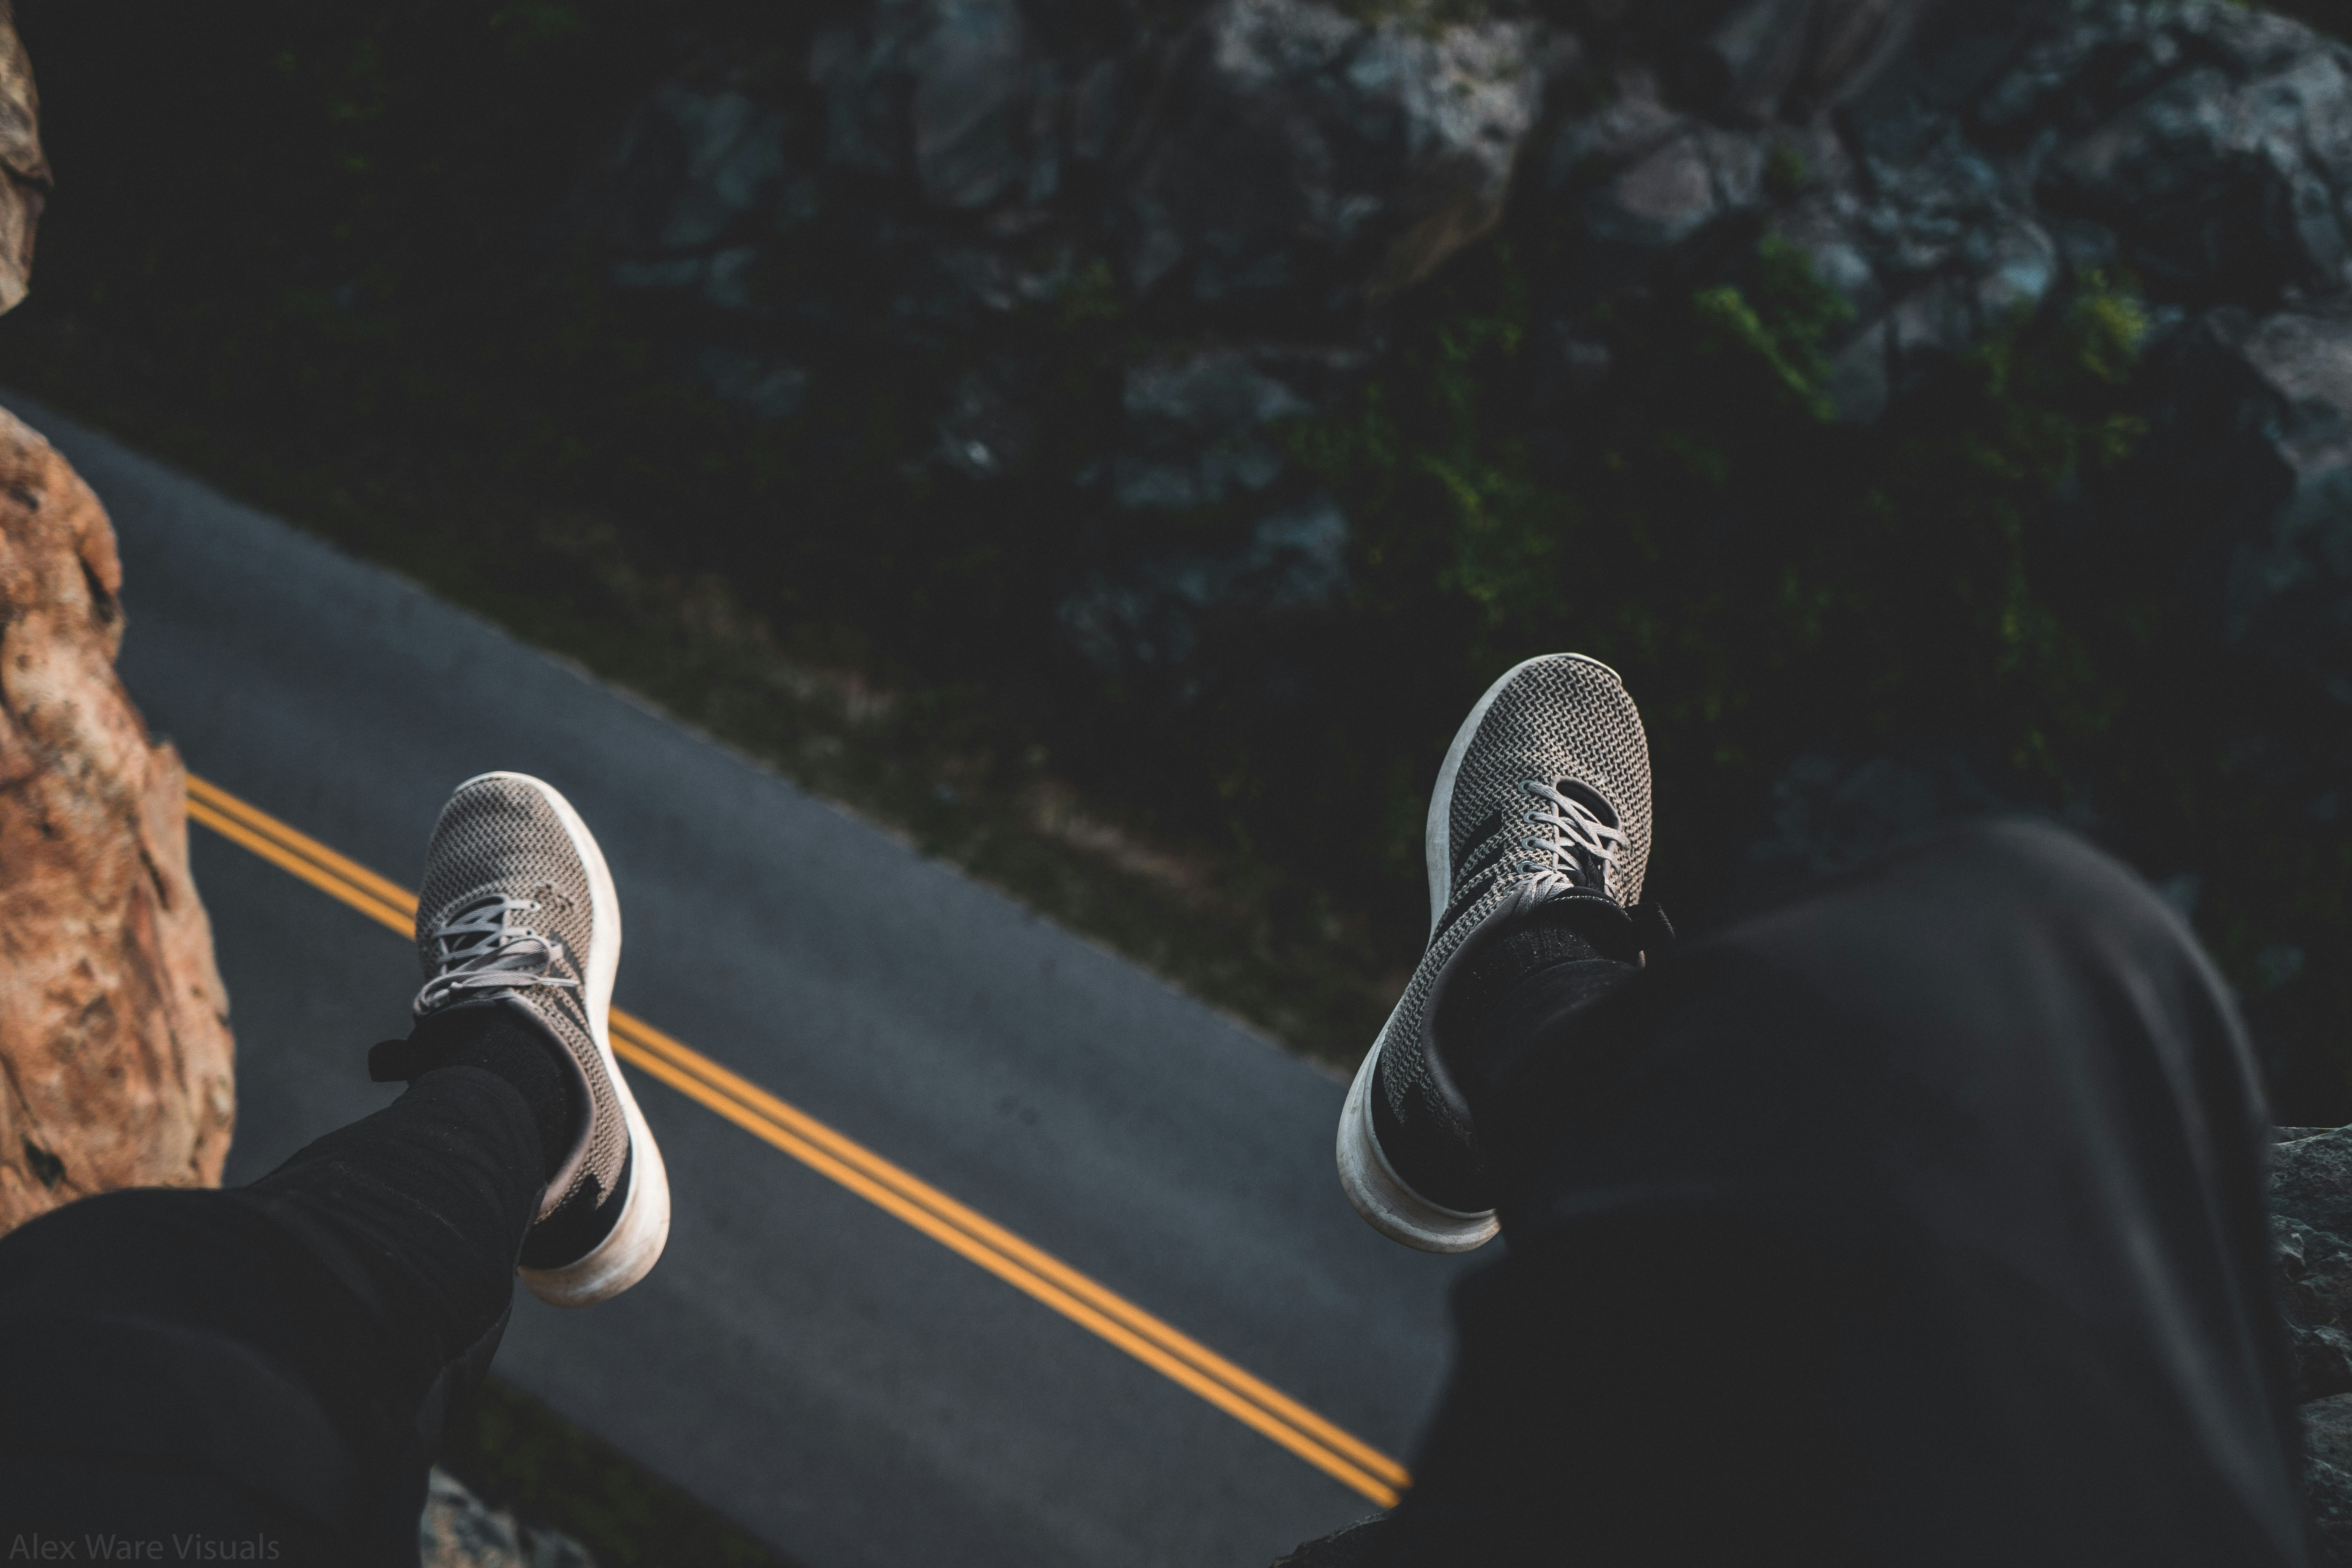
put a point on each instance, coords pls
(1918, 1221)
(281, 1359)
(278, 1359)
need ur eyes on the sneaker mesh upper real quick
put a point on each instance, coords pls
(500, 836)
(1559, 719)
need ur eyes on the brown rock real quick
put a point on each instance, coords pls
(115, 1056)
(24, 169)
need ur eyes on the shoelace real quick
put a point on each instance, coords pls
(483, 946)
(1573, 847)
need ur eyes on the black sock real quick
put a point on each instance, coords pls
(493, 1038)
(1543, 965)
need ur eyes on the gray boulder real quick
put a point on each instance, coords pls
(940, 90)
(2289, 584)
(1199, 430)
(1697, 177)
(2227, 181)
(1974, 162)
(2328, 1474)
(1298, 155)
(699, 172)
(1208, 529)
(2311, 1180)
(1152, 616)
(2004, 148)
(2250, 454)
(2311, 1218)
(1245, 182)
(2318, 1270)
(988, 430)
(968, 109)
(1787, 61)
(1943, 165)
(2319, 1280)
(457, 1529)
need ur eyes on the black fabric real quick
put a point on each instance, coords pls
(276, 1361)
(1558, 956)
(1916, 1222)
(1519, 947)
(498, 1036)
(1490, 1044)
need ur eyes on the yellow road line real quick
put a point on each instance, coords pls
(841, 1159)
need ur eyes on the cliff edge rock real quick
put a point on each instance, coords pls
(116, 1064)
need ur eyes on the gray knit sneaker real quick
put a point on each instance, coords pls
(1543, 796)
(518, 906)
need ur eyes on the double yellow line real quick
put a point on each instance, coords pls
(1101, 1312)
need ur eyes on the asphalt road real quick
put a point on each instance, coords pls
(829, 1377)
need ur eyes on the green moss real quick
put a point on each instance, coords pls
(1090, 297)
(1784, 173)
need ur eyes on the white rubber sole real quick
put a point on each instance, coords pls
(1372, 1185)
(634, 1246)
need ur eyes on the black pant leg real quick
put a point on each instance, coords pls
(1918, 1221)
(278, 1360)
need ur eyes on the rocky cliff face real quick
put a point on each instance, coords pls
(115, 1056)
(1254, 177)
(2311, 1218)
